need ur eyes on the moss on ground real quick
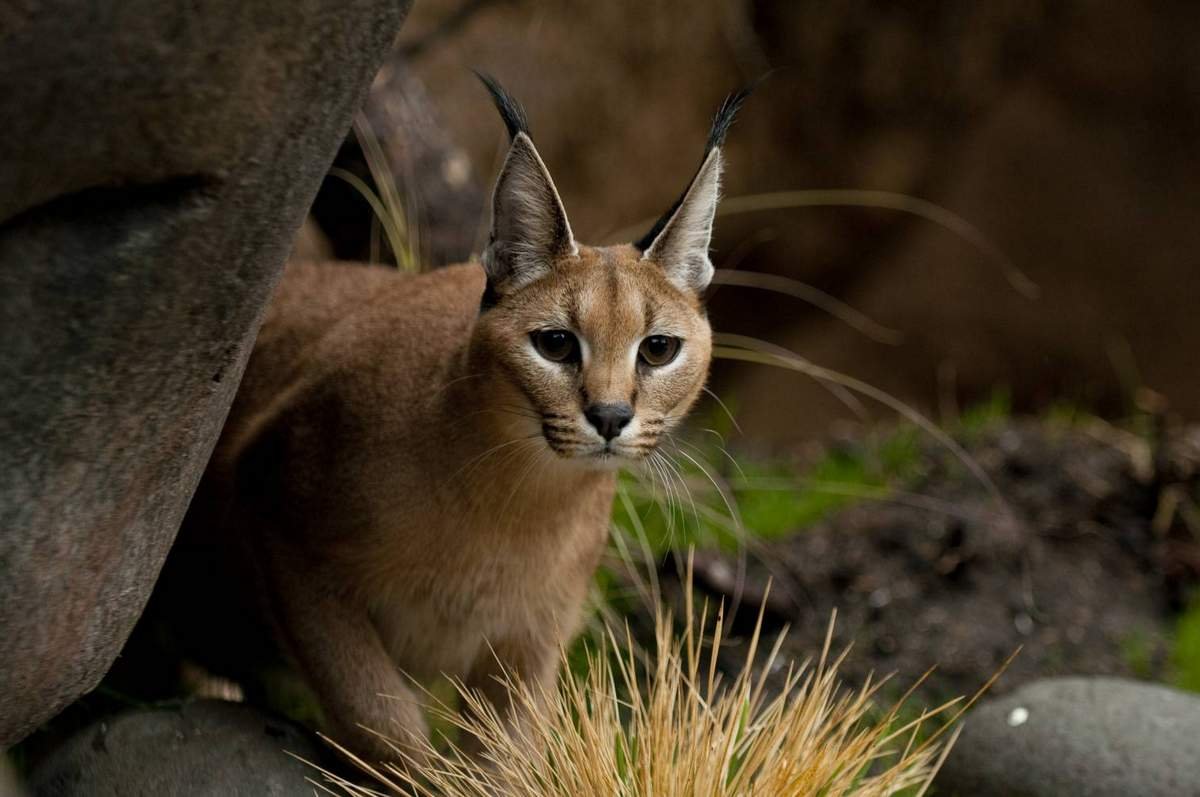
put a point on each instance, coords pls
(1185, 651)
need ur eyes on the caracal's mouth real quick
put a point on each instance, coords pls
(615, 455)
(612, 455)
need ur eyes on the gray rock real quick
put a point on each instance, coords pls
(156, 159)
(204, 748)
(1079, 736)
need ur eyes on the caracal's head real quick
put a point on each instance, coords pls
(601, 350)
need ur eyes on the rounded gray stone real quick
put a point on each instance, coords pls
(207, 748)
(1100, 737)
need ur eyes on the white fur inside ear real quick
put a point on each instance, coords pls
(682, 246)
(529, 223)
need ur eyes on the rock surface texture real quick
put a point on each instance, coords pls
(205, 749)
(156, 159)
(1103, 737)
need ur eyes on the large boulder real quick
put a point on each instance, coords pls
(204, 749)
(156, 160)
(1103, 737)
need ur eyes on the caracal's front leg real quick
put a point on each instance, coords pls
(530, 661)
(363, 695)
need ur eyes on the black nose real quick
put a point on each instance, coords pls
(609, 419)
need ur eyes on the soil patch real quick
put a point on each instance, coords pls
(1082, 564)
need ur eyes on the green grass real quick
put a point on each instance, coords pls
(742, 498)
(721, 500)
(715, 499)
(1185, 651)
(718, 499)
(980, 417)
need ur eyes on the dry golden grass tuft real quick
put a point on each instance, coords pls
(675, 728)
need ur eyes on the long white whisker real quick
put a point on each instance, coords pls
(726, 495)
(534, 459)
(668, 493)
(740, 530)
(455, 381)
(639, 530)
(478, 459)
(737, 466)
(721, 404)
(683, 483)
(742, 347)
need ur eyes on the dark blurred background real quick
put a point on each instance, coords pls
(1067, 133)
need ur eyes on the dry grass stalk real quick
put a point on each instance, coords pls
(677, 728)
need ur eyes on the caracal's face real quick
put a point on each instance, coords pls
(601, 350)
(603, 354)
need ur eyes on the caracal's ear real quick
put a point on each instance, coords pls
(529, 225)
(678, 241)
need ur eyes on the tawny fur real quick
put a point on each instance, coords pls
(404, 512)
(412, 488)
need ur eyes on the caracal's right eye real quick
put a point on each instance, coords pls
(556, 345)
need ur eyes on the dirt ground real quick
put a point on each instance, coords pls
(1082, 563)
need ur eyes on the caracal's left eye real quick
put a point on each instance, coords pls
(658, 350)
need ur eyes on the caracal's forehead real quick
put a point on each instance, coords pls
(611, 297)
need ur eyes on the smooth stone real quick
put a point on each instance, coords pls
(207, 748)
(1100, 737)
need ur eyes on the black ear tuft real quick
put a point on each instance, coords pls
(726, 115)
(510, 110)
(716, 139)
